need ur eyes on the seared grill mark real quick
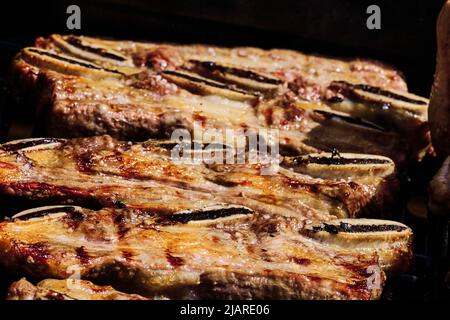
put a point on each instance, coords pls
(338, 160)
(335, 99)
(169, 145)
(212, 66)
(72, 61)
(301, 261)
(11, 147)
(151, 212)
(223, 181)
(199, 215)
(82, 255)
(351, 120)
(206, 82)
(45, 212)
(357, 228)
(297, 184)
(175, 262)
(99, 51)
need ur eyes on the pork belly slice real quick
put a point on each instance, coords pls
(70, 289)
(147, 90)
(106, 172)
(227, 252)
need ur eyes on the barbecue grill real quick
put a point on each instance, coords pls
(331, 27)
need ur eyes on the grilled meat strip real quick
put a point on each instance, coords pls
(222, 252)
(141, 90)
(70, 289)
(103, 171)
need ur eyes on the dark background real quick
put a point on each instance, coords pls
(330, 27)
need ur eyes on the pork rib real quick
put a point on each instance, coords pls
(141, 90)
(107, 172)
(223, 252)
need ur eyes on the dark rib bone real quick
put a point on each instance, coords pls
(37, 213)
(357, 228)
(76, 42)
(213, 66)
(337, 160)
(206, 214)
